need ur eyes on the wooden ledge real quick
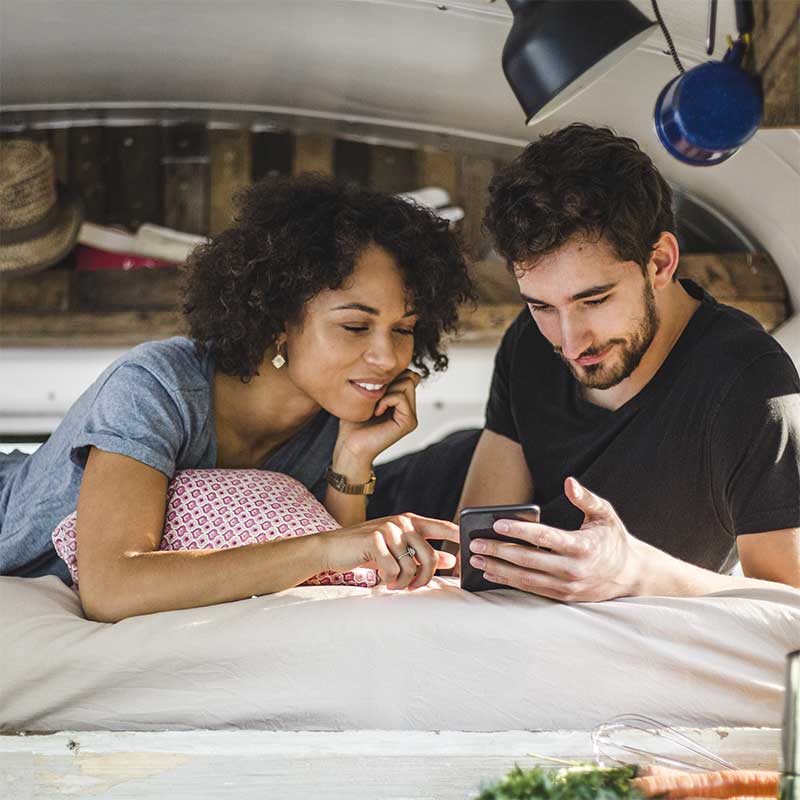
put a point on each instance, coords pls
(387, 764)
(63, 308)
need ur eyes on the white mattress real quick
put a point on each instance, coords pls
(338, 658)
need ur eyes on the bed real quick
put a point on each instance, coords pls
(336, 680)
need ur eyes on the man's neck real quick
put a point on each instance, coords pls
(675, 311)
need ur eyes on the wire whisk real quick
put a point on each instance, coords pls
(635, 739)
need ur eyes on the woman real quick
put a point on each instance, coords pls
(303, 318)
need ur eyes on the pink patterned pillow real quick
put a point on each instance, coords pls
(219, 508)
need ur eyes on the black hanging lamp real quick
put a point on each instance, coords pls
(557, 48)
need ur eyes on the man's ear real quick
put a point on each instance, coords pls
(664, 259)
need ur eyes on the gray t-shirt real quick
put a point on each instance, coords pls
(154, 404)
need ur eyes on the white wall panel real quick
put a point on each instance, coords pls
(40, 384)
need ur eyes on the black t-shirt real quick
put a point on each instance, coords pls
(709, 449)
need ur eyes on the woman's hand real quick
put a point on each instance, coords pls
(383, 544)
(395, 415)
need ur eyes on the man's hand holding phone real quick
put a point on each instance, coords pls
(480, 525)
(598, 562)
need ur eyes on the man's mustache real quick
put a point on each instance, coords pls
(591, 351)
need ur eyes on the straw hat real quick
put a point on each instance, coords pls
(39, 221)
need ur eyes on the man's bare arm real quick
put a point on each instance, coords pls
(771, 556)
(498, 474)
(768, 556)
(602, 560)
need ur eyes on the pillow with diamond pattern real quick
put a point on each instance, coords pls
(219, 508)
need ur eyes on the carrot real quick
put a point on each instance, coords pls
(726, 784)
(649, 770)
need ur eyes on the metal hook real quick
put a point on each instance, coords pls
(711, 27)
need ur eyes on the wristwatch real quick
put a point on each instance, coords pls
(339, 482)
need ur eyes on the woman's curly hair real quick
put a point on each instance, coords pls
(296, 237)
(582, 181)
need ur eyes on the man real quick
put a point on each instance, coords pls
(658, 430)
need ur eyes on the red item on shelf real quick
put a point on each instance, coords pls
(91, 259)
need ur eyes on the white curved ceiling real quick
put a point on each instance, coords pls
(412, 61)
(390, 64)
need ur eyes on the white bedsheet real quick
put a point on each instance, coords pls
(336, 658)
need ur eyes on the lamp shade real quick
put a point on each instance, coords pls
(557, 48)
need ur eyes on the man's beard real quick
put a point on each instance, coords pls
(632, 350)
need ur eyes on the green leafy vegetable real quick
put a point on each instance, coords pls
(574, 783)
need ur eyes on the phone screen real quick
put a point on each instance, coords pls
(476, 523)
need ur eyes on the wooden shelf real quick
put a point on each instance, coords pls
(66, 308)
(87, 329)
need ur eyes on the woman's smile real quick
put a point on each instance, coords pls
(374, 391)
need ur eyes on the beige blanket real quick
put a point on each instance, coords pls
(334, 658)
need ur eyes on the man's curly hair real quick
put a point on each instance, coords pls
(296, 237)
(579, 181)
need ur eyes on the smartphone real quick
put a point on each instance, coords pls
(476, 523)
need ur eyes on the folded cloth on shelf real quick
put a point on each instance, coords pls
(439, 658)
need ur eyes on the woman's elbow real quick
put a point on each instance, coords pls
(103, 600)
(99, 609)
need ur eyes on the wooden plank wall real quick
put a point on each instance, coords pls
(775, 57)
(231, 170)
(185, 176)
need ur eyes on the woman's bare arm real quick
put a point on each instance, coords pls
(121, 511)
